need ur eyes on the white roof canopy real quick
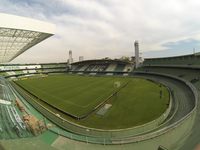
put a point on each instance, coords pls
(17, 34)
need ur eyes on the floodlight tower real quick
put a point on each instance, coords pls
(70, 57)
(81, 58)
(137, 57)
(70, 60)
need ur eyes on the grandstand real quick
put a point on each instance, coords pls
(186, 67)
(109, 67)
(186, 60)
(177, 121)
(16, 38)
(95, 104)
(178, 111)
(12, 125)
(20, 69)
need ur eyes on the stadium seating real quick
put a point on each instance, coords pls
(187, 60)
(111, 67)
(101, 66)
(77, 68)
(120, 67)
(128, 68)
(12, 126)
(97, 68)
(83, 68)
(94, 68)
(23, 69)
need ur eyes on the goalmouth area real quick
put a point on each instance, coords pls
(125, 101)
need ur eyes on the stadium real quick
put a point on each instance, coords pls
(94, 104)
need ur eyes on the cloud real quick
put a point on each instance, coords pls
(177, 48)
(103, 28)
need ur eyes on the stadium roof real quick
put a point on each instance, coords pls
(100, 61)
(17, 34)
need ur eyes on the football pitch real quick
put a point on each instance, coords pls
(138, 102)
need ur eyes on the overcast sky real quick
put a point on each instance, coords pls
(108, 28)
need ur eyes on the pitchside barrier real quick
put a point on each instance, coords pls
(109, 136)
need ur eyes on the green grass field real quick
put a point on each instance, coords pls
(137, 103)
